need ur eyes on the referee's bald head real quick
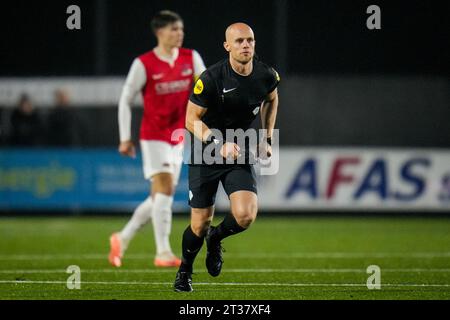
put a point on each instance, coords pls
(237, 28)
(240, 42)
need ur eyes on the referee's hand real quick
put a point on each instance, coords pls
(230, 150)
(265, 151)
(127, 148)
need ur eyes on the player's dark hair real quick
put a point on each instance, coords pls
(163, 19)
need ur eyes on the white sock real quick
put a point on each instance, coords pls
(141, 216)
(162, 221)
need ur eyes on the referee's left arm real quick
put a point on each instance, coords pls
(269, 112)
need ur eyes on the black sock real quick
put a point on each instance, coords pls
(191, 246)
(226, 228)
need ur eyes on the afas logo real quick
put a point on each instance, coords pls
(375, 179)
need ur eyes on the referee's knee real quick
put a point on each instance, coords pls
(245, 215)
(200, 228)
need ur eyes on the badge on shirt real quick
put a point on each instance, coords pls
(198, 89)
(276, 75)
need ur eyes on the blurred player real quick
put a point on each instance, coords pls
(164, 76)
(227, 96)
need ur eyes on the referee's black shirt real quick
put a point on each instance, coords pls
(232, 100)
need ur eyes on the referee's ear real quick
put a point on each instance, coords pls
(226, 46)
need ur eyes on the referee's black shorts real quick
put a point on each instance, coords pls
(204, 181)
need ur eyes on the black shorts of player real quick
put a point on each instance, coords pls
(204, 181)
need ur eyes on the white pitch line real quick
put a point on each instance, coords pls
(343, 255)
(234, 284)
(302, 255)
(323, 270)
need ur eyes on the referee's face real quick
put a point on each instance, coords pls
(172, 35)
(240, 43)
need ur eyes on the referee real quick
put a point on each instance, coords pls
(228, 95)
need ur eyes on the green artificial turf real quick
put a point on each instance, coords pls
(277, 258)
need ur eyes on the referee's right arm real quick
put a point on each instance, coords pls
(194, 122)
(200, 130)
(196, 109)
(197, 106)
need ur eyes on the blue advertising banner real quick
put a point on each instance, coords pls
(76, 179)
(356, 179)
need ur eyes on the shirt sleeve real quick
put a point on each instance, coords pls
(199, 65)
(134, 83)
(274, 80)
(204, 91)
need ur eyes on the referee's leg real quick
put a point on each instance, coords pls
(243, 212)
(194, 235)
(192, 242)
(240, 185)
(244, 207)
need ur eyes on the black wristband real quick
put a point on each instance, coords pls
(269, 141)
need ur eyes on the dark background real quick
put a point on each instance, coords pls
(325, 37)
(342, 84)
